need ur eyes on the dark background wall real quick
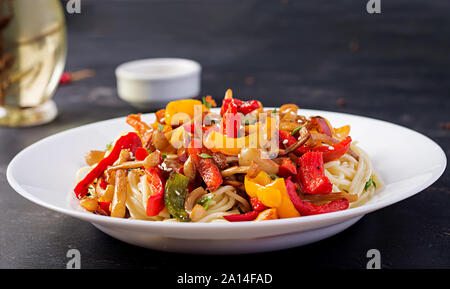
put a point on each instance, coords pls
(329, 55)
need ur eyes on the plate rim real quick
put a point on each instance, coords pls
(146, 225)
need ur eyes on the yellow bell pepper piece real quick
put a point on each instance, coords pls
(217, 142)
(270, 197)
(342, 132)
(286, 209)
(262, 178)
(269, 214)
(185, 106)
(253, 184)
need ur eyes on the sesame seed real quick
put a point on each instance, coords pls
(285, 141)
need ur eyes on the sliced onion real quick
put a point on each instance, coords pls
(248, 155)
(323, 125)
(192, 198)
(234, 170)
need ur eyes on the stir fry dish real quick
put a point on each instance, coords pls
(243, 163)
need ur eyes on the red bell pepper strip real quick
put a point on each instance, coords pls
(141, 154)
(286, 139)
(250, 216)
(306, 208)
(105, 207)
(257, 205)
(231, 121)
(226, 103)
(129, 141)
(155, 202)
(311, 174)
(206, 167)
(248, 106)
(287, 168)
(334, 152)
(103, 184)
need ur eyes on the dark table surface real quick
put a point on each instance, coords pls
(329, 55)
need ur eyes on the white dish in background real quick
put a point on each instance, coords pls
(392, 148)
(147, 83)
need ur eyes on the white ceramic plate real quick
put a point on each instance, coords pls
(44, 173)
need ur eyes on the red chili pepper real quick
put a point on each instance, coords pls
(306, 208)
(129, 141)
(257, 205)
(141, 154)
(105, 207)
(248, 106)
(226, 103)
(155, 202)
(287, 168)
(206, 167)
(69, 77)
(250, 216)
(66, 77)
(311, 174)
(103, 184)
(336, 151)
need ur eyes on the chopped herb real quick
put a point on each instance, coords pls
(297, 129)
(369, 183)
(273, 176)
(206, 103)
(109, 146)
(91, 191)
(206, 200)
(205, 156)
(274, 111)
(163, 156)
(149, 151)
(160, 127)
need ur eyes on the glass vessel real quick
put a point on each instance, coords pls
(32, 56)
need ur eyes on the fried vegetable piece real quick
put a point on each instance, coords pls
(118, 207)
(203, 162)
(175, 196)
(334, 152)
(94, 157)
(129, 141)
(143, 129)
(155, 202)
(287, 168)
(311, 174)
(250, 216)
(306, 208)
(269, 214)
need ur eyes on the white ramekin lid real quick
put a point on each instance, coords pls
(149, 83)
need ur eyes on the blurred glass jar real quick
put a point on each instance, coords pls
(33, 49)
